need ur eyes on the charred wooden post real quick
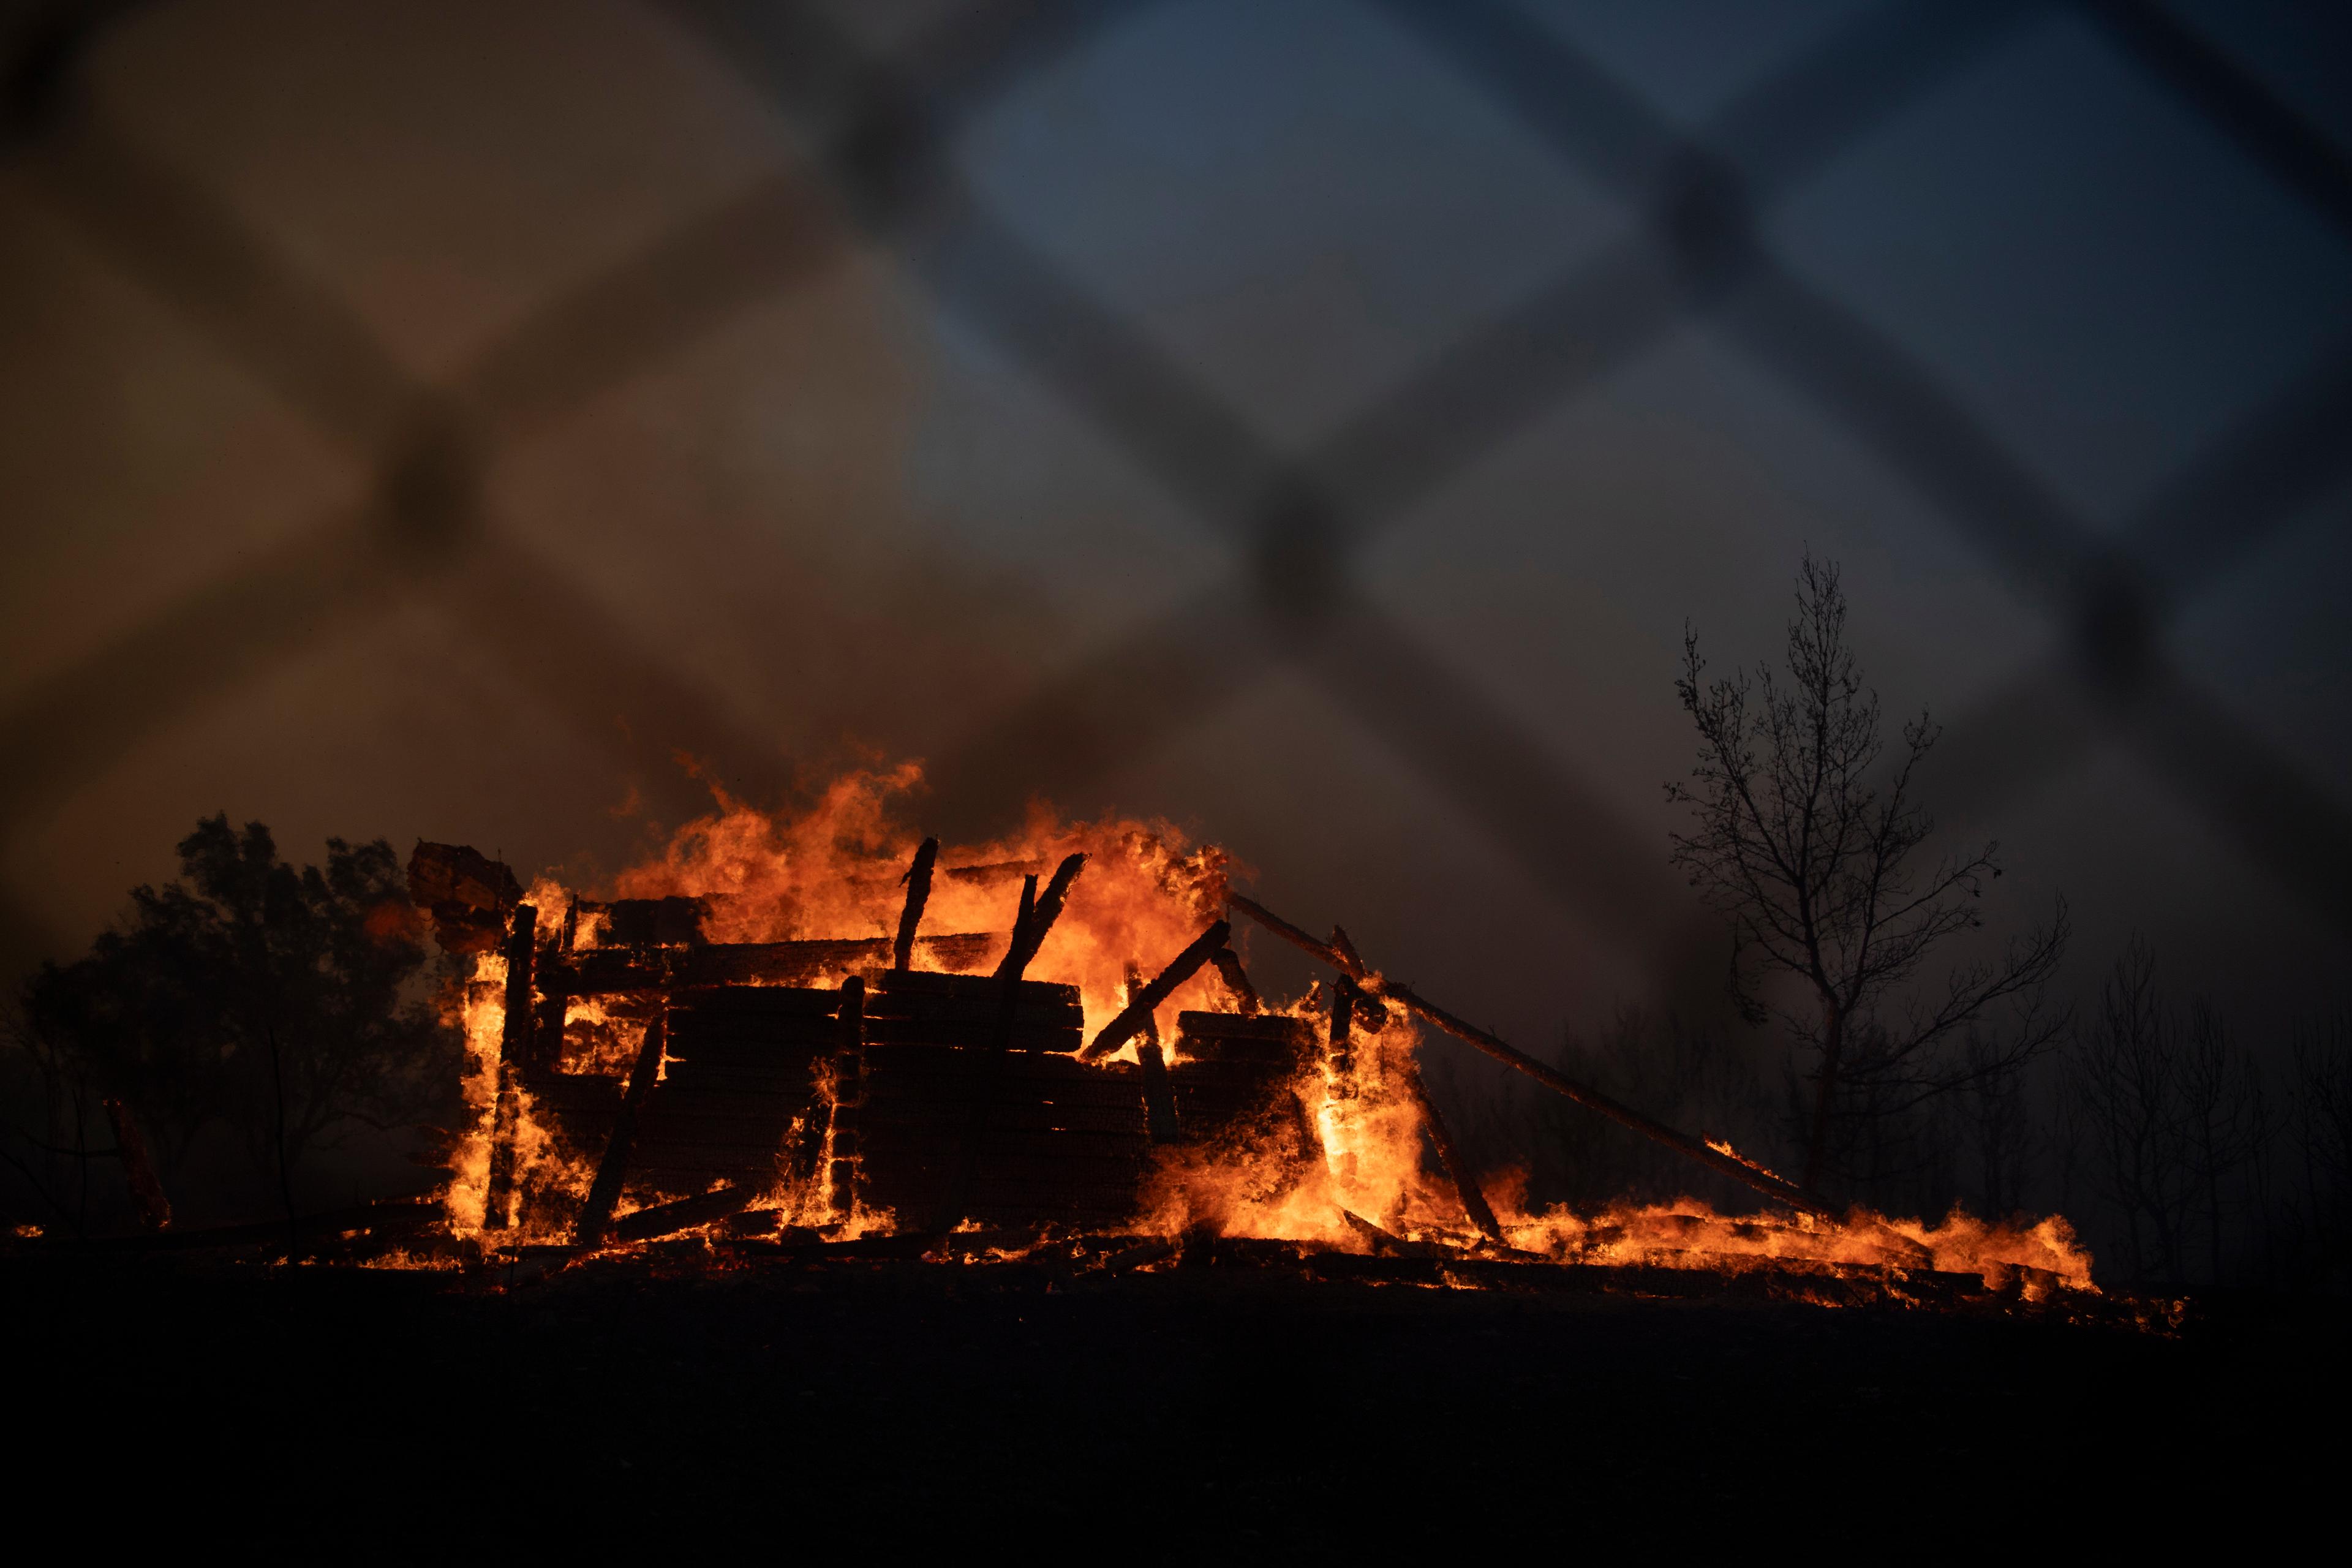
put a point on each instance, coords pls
(1457, 1169)
(1339, 1047)
(919, 893)
(1039, 912)
(147, 1199)
(613, 1170)
(1747, 1173)
(1159, 1095)
(1146, 1002)
(848, 1090)
(1237, 980)
(514, 1053)
(555, 993)
(1016, 957)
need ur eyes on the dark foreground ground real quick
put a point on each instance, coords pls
(1180, 1417)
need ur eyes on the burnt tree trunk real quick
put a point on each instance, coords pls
(147, 1199)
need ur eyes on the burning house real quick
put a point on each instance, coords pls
(803, 1034)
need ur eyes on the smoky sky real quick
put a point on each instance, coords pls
(876, 494)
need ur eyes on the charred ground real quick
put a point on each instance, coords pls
(1196, 1414)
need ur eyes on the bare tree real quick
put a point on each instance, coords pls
(1815, 848)
(2225, 1116)
(1996, 1121)
(2166, 1114)
(2322, 1119)
(2123, 1125)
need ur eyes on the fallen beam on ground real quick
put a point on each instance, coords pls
(1747, 1174)
(669, 1219)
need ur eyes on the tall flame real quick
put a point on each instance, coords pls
(835, 871)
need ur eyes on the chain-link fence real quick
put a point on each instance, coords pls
(878, 126)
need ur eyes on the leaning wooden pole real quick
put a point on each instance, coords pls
(1457, 1169)
(613, 1170)
(1038, 914)
(1753, 1177)
(919, 893)
(1146, 1002)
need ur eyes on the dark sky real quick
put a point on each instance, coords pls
(841, 503)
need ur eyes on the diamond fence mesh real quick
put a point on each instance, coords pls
(877, 131)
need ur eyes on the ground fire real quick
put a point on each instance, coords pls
(815, 1034)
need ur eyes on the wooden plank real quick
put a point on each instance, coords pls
(887, 989)
(763, 963)
(977, 1035)
(976, 1010)
(669, 1219)
(1280, 1027)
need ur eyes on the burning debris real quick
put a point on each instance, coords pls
(813, 1037)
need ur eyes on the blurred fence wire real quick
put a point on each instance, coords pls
(877, 131)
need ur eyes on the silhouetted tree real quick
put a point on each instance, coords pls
(2123, 1117)
(2224, 1116)
(2166, 1112)
(274, 1002)
(1812, 844)
(1997, 1118)
(2322, 1119)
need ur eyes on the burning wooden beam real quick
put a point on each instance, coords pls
(1159, 1097)
(919, 893)
(1747, 1173)
(1038, 914)
(514, 1053)
(669, 1219)
(554, 982)
(601, 971)
(1131, 1018)
(1457, 1169)
(596, 1214)
(1237, 980)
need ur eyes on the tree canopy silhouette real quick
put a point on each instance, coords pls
(274, 1002)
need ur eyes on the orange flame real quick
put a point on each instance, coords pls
(835, 871)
